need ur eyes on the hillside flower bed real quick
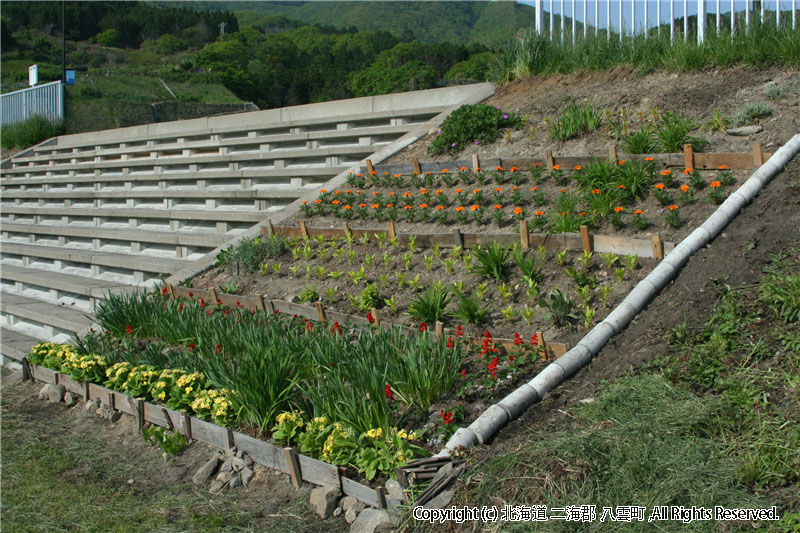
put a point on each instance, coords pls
(626, 197)
(355, 396)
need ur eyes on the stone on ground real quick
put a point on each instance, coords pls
(323, 500)
(373, 521)
(206, 471)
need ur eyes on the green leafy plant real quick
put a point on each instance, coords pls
(469, 309)
(491, 261)
(308, 295)
(229, 287)
(429, 306)
(369, 298)
(171, 442)
(472, 124)
(560, 307)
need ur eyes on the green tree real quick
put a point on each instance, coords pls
(168, 44)
(109, 37)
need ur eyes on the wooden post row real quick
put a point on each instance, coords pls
(415, 164)
(586, 239)
(476, 162)
(370, 168)
(524, 236)
(658, 246)
(688, 156)
(758, 155)
(548, 157)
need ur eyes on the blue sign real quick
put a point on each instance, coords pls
(70, 77)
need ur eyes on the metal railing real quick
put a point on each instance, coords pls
(46, 100)
(637, 17)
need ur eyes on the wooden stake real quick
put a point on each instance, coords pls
(346, 229)
(215, 295)
(438, 329)
(548, 158)
(524, 236)
(164, 412)
(688, 156)
(540, 343)
(26, 370)
(476, 162)
(187, 427)
(111, 404)
(415, 164)
(139, 413)
(612, 152)
(228, 439)
(320, 311)
(370, 168)
(171, 290)
(304, 229)
(86, 390)
(270, 228)
(586, 239)
(459, 239)
(758, 155)
(259, 301)
(269, 307)
(381, 491)
(658, 246)
(375, 317)
(294, 467)
(390, 230)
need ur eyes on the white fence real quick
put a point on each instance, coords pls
(647, 17)
(46, 100)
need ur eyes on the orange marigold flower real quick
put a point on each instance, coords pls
(621, 162)
(407, 195)
(619, 209)
(518, 211)
(389, 205)
(415, 173)
(428, 173)
(539, 213)
(583, 214)
(304, 202)
(398, 175)
(715, 184)
(622, 187)
(672, 207)
(347, 207)
(514, 188)
(534, 188)
(373, 173)
(475, 191)
(323, 191)
(337, 191)
(688, 171)
(375, 193)
(514, 169)
(577, 168)
(498, 189)
(445, 171)
(685, 188)
(459, 191)
(666, 172)
(499, 167)
(440, 191)
(317, 201)
(475, 207)
(498, 206)
(423, 206)
(563, 190)
(390, 193)
(556, 167)
(537, 164)
(362, 205)
(408, 207)
(423, 191)
(385, 173)
(659, 186)
(375, 206)
(463, 169)
(648, 159)
(477, 169)
(722, 167)
(638, 212)
(336, 202)
(460, 208)
(348, 191)
(439, 207)
(596, 191)
(358, 191)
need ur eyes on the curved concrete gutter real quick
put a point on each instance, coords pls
(513, 405)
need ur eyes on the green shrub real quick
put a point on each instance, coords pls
(429, 306)
(369, 298)
(252, 252)
(29, 132)
(472, 124)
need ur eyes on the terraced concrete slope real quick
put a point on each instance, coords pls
(121, 209)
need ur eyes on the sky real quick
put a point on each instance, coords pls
(652, 8)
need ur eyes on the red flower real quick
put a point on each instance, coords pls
(180, 308)
(219, 347)
(191, 346)
(388, 392)
(464, 374)
(510, 358)
(447, 417)
(202, 302)
(164, 291)
(423, 326)
(459, 331)
(517, 339)
(191, 294)
(309, 327)
(534, 339)
(450, 343)
(128, 329)
(493, 368)
(336, 329)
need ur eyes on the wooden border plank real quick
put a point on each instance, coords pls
(43, 374)
(262, 452)
(209, 433)
(358, 491)
(318, 472)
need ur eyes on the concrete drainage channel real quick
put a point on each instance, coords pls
(513, 405)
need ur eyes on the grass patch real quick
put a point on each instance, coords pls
(29, 132)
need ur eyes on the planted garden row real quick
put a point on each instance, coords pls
(285, 460)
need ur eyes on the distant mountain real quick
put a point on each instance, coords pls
(490, 23)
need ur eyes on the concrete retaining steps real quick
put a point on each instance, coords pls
(119, 209)
(42, 319)
(15, 345)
